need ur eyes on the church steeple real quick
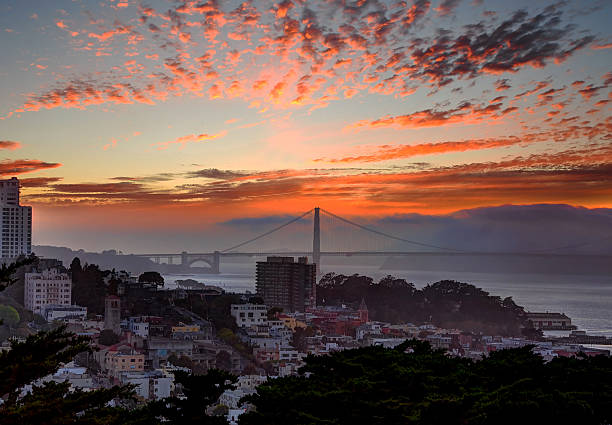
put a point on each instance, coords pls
(363, 311)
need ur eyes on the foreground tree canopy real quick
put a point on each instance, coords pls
(382, 386)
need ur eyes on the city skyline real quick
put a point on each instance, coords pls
(172, 116)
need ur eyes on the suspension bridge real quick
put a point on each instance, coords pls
(340, 237)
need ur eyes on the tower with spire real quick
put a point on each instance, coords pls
(363, 311)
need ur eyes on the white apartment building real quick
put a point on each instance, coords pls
(249, 314)
(138, 327)
(16, 236)
(150, 385)
(49, 287)
(53, 312)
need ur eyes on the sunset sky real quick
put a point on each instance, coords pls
(123, 117)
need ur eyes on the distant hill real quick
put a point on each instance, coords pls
(106, 259)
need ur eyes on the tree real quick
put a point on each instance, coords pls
(447, 303)
(151, 277)
(299, 337)
(413, 384)
(75, 265)
(88, 289)
(108, 337)
(273, 312)
(200, 392)
(223, 360)
(9, 315)
(8, 270)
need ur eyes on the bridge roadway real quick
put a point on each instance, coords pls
(364, 253)
(213, 259)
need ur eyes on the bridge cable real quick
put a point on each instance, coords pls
(388, 235)
(268, 232)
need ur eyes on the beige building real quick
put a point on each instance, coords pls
(49, 287)
(119, 358)
(125, 362)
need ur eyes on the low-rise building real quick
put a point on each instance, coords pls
(160, 348)
(550, 321)
(125, 362)
(53, 312)
(233, 415)
(150, 385)
(247, 315)
(119, 358)
(231, 398)
(250, 382)
(138, 326)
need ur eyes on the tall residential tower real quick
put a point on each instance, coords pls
(16, 237)
(282, 282)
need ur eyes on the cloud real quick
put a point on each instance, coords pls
(21, 166)
(507, 47)
(81, 93)
(501, 85)
(447, 6)
(9, 145)
(216, 174)
(465, 113)
(574, 176)
(509, 228)
(161, 177)
(38, 181)
(190, 138)
(305, 56)
(99, 188)
(257, 221)
(387, 152)
(601, 46)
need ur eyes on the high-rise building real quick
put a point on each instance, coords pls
(287, 284)
(48, 287)
(16, 237)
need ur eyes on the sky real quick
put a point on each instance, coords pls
(144, 125)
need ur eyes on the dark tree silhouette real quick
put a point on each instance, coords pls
(413, 384)
(151, 277)
(200, 392)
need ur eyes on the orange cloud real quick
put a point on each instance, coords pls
(466, 113)
(601, 46)
(574, 176)
(190, 138)
(9, 145)
(21, 166)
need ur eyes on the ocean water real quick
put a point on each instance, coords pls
(587, 300)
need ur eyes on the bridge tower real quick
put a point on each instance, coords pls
(215, 266)
(316, 241)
